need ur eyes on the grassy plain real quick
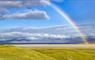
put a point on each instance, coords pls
(14, 53)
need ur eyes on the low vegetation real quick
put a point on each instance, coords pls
(14, 53)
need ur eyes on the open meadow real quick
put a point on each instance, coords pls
(17, 53)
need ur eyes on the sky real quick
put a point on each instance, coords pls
(14, 14)
(80, 10)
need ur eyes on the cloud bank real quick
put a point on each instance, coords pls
(30, 35)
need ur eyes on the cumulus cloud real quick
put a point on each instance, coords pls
(36, 14)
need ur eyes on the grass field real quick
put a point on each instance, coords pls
(14, 53)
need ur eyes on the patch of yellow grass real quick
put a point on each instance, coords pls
(14, 53)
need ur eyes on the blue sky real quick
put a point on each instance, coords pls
(81, 11)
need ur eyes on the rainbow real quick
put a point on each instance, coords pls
(70, 21)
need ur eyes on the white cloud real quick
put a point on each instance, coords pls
(7, 4)
(24, 3)
(29, 35)
(35, 3)
(36, 14)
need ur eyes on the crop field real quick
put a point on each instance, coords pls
(14, 53)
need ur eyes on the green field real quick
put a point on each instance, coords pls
(14, 53)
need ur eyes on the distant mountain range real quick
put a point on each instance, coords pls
(50, 35)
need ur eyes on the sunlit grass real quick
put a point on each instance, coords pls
(14, 53)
